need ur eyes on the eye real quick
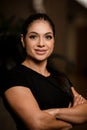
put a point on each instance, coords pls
(32, 36)
(48, 37)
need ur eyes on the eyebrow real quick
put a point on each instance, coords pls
(37, 33)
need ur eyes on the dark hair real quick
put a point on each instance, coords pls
(37, 16)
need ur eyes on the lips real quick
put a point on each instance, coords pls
(40, 52)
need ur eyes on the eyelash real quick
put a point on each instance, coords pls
(32, 36)
(48, 37)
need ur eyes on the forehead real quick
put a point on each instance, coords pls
(40, 24)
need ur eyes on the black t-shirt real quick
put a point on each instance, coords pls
(46, 90)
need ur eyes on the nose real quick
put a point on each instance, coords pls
(41, 42)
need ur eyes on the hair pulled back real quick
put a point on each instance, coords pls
(34, 17)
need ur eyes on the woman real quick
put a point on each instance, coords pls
(39, 96)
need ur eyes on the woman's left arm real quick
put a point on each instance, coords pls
(76, 114)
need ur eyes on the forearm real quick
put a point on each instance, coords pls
(30, 113)
(45, 121)
(51, 123)
(74, 115)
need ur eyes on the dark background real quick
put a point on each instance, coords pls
(70, 18)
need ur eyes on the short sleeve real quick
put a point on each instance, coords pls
(12, 78)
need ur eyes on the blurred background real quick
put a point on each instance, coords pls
(70, 54)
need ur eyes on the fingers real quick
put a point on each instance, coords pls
(78, 99)
(69, 105)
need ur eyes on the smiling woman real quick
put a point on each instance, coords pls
(33, 89)
(39, 40)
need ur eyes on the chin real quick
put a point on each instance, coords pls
(40, 59)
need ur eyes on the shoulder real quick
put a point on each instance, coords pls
(18, 73)
(17, 76)
(18, 70)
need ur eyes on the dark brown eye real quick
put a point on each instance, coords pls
(33, 37)
(48, 37)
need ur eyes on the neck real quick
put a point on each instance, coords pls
(39, 67)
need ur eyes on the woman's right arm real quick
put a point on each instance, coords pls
(26, 107)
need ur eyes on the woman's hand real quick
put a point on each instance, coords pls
(78, 99)
(75, 114)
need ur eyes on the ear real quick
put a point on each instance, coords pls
(22, 40)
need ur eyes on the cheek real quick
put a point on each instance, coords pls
(51, 49)
(28, 43)
(51, 46)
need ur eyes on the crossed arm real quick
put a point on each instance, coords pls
(24, 104)
(76, 114)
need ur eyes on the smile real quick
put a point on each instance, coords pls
(40, 52)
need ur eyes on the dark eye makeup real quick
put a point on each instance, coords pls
(32, 36)
(48, 37)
